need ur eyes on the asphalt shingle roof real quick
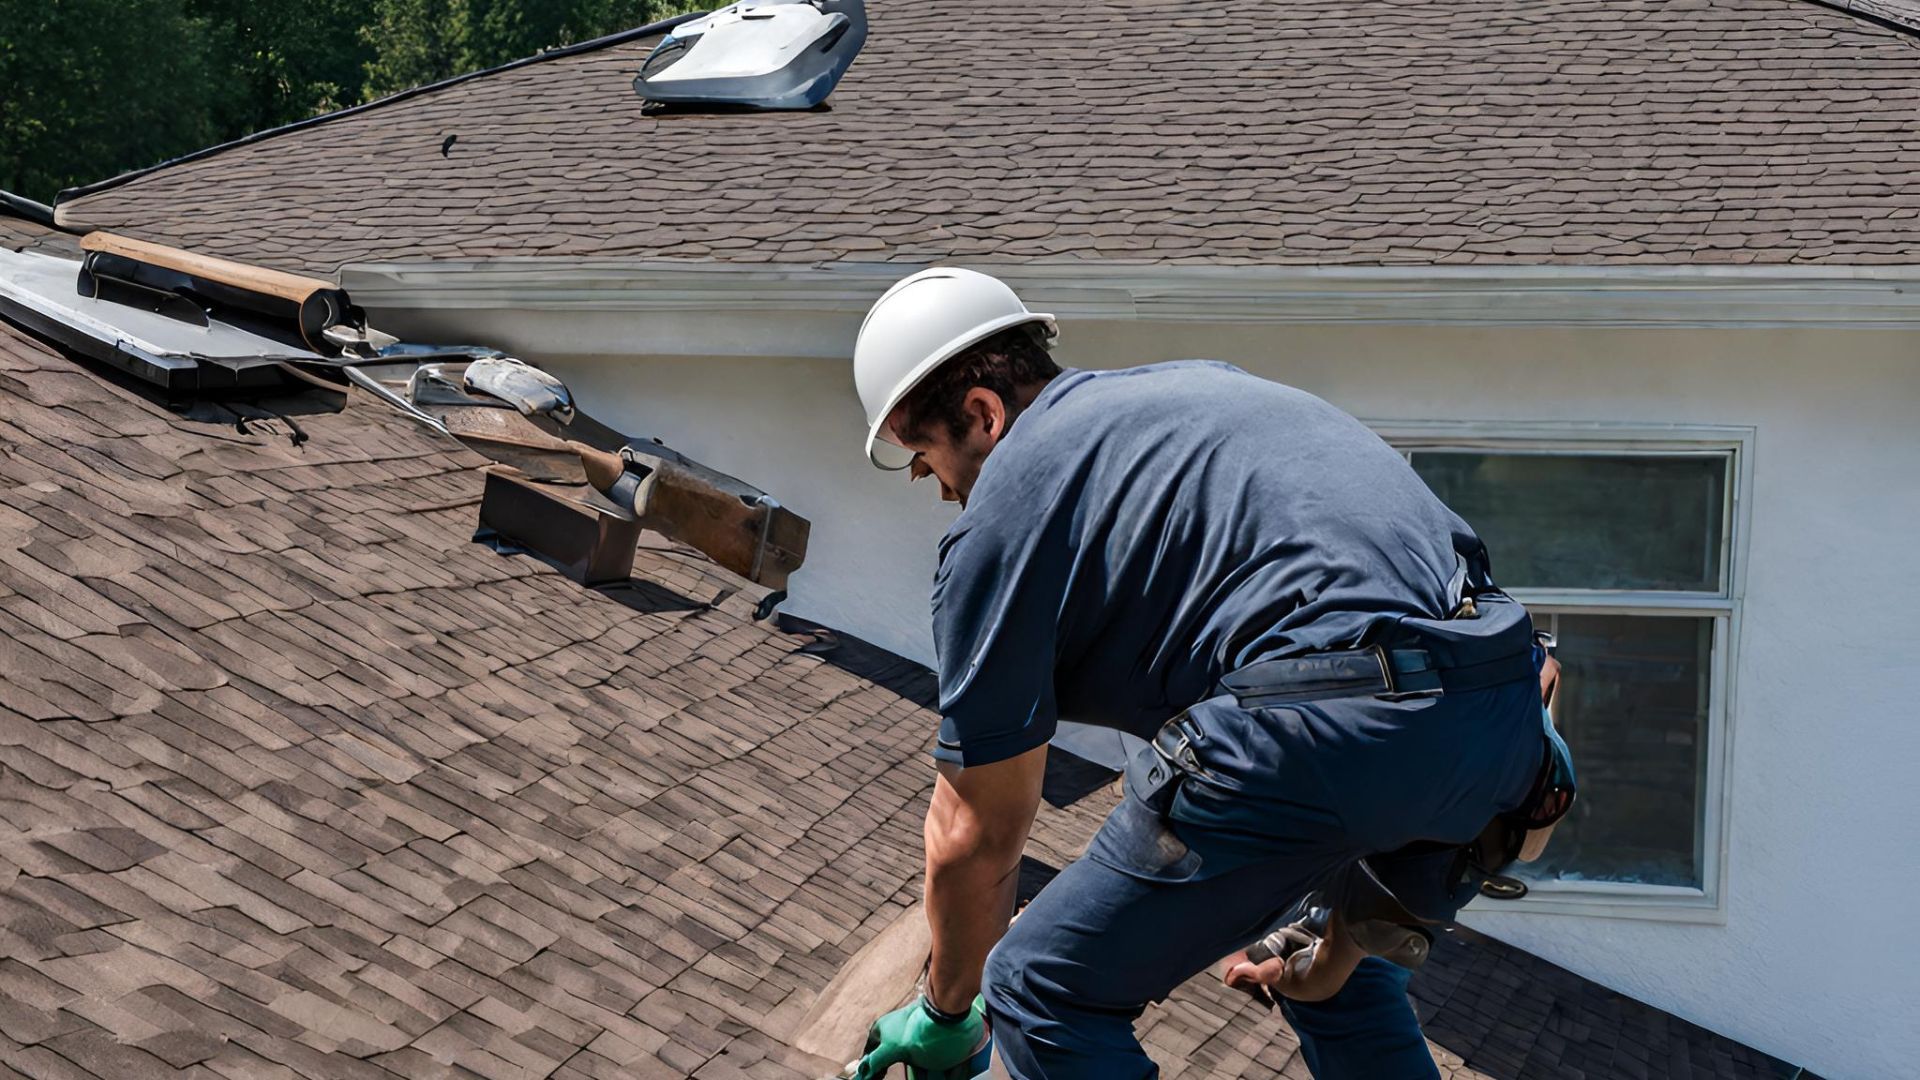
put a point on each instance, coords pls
(298, 781)
(19, 234)
(1143, 131)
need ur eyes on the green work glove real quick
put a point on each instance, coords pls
(911, 1035)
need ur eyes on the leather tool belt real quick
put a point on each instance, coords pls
(1391, 673)
(1489, 643)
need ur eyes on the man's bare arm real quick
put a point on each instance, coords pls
(977, 826)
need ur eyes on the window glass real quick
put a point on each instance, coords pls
(1633, 708)
(1649, 522)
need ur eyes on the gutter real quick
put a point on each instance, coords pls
(670, 294)
(649, 30)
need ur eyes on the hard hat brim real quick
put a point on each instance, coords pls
(940, 356)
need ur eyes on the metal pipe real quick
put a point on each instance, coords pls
(372, 386)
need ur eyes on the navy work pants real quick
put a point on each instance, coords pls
(1289, 797)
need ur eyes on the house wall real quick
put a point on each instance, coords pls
(1814, 959)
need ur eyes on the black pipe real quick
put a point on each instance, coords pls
(20, 206)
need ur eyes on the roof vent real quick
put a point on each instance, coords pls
(756, 54)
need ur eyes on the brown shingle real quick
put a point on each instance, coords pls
(1373, 132)
(269, 815)
(19, 234)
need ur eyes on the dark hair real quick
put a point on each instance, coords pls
(1003, 362)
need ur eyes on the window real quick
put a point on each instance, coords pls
(1621, 543)
(1594, 521)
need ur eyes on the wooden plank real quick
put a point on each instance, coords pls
(291, 287)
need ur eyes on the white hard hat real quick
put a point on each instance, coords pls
(923, 321)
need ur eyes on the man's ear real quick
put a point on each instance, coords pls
(986, 411)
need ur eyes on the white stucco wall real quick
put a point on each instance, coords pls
(1817, 959)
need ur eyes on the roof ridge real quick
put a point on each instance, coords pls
(593, 44)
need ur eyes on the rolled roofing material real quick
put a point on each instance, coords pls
(292, 306)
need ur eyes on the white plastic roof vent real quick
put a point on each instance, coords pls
(757, 54)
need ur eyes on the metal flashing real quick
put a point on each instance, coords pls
(536, 495)
(37, 291)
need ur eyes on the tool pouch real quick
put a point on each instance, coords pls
(1138, 837)
(1152, 781)
(1155, 773)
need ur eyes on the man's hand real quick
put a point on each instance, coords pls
(976, 829)
(1314, 972)
(1535, 843)
(912, 1035)
(1549, 680)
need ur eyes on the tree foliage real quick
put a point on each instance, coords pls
(91, 88)
(285, 60)
(419, 41)
(90, 85)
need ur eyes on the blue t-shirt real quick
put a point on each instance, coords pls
(1139, 533)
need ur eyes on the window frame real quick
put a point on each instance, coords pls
(1707, 903)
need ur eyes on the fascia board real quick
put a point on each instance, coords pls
(1881, 297)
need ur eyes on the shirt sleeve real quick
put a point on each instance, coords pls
(997, 601)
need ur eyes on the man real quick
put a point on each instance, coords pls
(1195, 556)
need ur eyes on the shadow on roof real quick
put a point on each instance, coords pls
(866, 660)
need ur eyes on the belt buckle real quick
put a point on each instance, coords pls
(1393, 692)
(1180, 756)
(1379, 653)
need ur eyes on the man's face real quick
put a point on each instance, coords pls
(954, 462)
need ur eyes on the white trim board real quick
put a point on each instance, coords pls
(1880, 297)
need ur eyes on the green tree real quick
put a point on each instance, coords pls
(93, 87)
(421, 41)
(283, 61)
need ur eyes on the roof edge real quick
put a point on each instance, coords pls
(1714, 294)
(68, 195)
(1893, 16)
